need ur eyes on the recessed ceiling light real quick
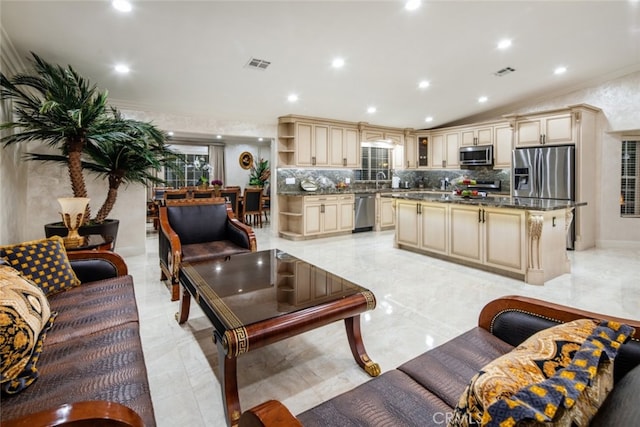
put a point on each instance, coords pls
(218, 136)
(170, 133)
(337, 63)
(122, 69)
(428, 119)
(260, 139)
(503, 44)
(122, 5)
(292, 98)
(483, 99)
(412, 4)
(560, 70)
(371, 110)
(423, 84)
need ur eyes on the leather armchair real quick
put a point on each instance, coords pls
(195, 230)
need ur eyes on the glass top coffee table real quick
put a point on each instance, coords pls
(259, 298)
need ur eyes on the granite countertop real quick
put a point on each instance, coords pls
(332, 191)
(496, 201)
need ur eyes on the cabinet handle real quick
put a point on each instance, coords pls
(483, 221)
(407, 163)
(344, 162)
(313, 160)
(322, 208)
(540, 139)
(544, 139)
(444, 163)
(553, 221)
(479, 216)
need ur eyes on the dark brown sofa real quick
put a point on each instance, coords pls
(196, 230)
(92, 369)
(424, 391)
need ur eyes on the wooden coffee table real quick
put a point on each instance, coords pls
(259, 298)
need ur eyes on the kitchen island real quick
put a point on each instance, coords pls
(516, 237)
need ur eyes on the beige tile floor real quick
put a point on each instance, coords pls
(421, 303)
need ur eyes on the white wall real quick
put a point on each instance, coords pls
(14, 182)
(235, 175)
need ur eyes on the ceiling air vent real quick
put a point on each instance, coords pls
(258, 64)
(504, 71)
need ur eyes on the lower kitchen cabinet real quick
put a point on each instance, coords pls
(422, 225)
(385, 215)
(494, 237)
(315, 216)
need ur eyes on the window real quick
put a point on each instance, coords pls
(630, 180)
(193, 166)
(376, 164)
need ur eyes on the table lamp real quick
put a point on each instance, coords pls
(72, 212)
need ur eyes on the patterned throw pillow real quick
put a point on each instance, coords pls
(548, 360)
(44, 262)
(25, 318)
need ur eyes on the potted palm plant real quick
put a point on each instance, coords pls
(259, 173)
(58, 107)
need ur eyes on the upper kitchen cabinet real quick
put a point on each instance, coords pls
(410, 151)
(310, 142)
(344, 147)
(423, 151)
(392, 136)
(502, 146)
(445, 150)
(482, 135)
(550, 128)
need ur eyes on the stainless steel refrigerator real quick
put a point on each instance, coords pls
(546, 173)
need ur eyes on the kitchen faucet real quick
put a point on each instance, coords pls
(378, 175)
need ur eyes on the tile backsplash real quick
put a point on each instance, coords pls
(326, 179)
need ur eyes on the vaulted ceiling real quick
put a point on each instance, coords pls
(190, 57)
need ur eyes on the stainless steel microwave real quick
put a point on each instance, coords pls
(476, 155)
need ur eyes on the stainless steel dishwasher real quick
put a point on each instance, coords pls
(365, 212)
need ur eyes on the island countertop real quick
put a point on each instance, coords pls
(489, 201)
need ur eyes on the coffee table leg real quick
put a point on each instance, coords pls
(185, 304)
(352, 324)
(229, 385)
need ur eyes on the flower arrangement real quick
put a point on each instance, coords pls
(216, 182)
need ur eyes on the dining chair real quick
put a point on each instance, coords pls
(203, 194)
(175, 194)
(252, 206)
(232, 194)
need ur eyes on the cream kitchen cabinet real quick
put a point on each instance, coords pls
(312, 144)
(344, 147)
(422, 225)
(546, 130)
(502, 146)
(477, 136)
(445, 150)
(410, 151)
(494, 237)
(385, 215)
(423, 151)
(309, 142)
(303, 217)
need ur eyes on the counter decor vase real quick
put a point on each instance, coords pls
(72, 212)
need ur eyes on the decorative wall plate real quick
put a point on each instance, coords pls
(308, 185)
(246, 160)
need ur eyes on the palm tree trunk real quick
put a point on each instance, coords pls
(106, 207)
(75, 173)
